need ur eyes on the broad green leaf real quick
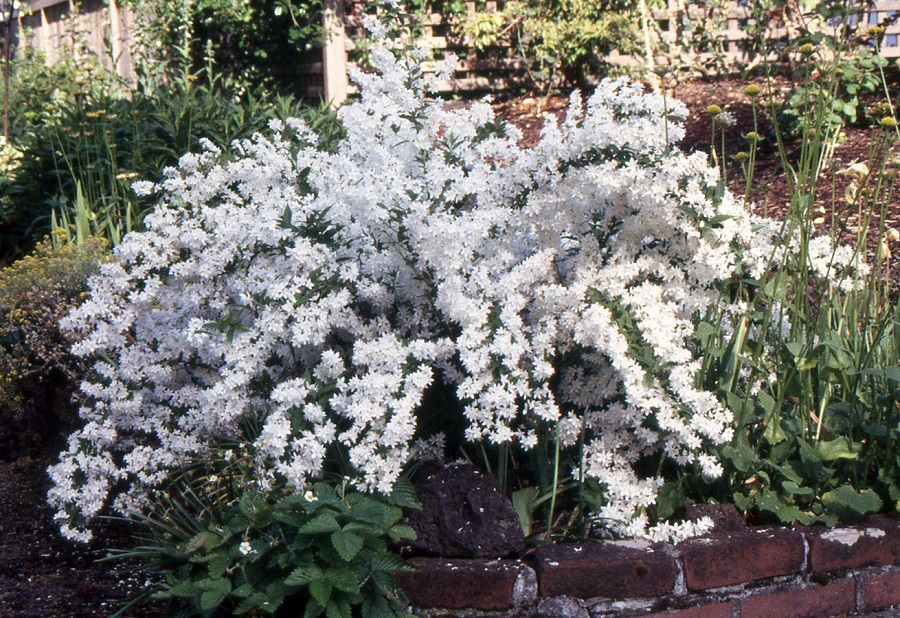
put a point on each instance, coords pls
(741, 457)
(314, 609)
(891, 372)
(343, 579)
(786, 512)
(217, 566)
(203, 540)
(523, 503)
(376, 606)
(347, 544)
(216, 592)
(320, 589)
(401, 532)
(849, 504)
(404, 494)
(839, 448)
(301, 576)
(338, 608)
(325, 521)
(794, 489)
(669, 498)
(389, 562)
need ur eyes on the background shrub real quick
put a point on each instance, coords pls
(38, 373)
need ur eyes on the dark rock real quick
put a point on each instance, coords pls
(465, 515)
(725, 517)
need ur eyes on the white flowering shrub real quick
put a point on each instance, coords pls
(319, 293)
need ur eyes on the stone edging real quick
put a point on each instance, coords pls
(773, 572)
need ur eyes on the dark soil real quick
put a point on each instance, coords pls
(42, 575)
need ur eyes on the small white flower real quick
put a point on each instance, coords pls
(309, 496)
(246, 549)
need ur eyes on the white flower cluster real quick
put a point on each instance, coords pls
(319, 293)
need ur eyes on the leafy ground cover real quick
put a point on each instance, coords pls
(43, 576)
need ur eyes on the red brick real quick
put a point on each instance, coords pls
(832, 599)
(881, 591)
(459, 584)
(723, 560)
(715, 610)
(875, 543)
(612, 570)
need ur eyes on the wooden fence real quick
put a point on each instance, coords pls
(103, 28)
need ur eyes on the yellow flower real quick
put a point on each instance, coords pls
(753, 137)
(888, 122)
(856, 171)
(807, 49)
(741, 157)
(713, 110)
(752, 90)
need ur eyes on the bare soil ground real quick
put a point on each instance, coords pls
(44, 576)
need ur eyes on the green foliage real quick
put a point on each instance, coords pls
(252, 42)
(227, 543)
(38, 373)
(81, 153)
(563, 40)
(810, 368)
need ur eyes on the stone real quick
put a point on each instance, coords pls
(837, 598)
(465, 515)
(609, 569)
(881, 591)
(725, 517)
(875, 542)
(464, 584)
(560, 607)
(725, 559)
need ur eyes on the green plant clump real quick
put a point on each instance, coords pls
(227, 541)
(38, 373)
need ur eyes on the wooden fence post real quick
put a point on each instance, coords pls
(334, 54)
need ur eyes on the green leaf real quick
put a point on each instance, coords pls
(523, 503)
(218, 565)
(404, 494)
(342, 578)
(313, 609)
(325, 521)
(347, 544)
(849, 504)
(302, 576)
(401, 532)
(669, 499)
(338, 608)
(216, 592)
(890, 373)
(786, 512)
(203, 540)
(839, 448)
(796, 490)
(389, 562)
(320, 589)
(376, 606)
(741, 456)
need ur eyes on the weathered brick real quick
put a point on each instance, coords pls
(877, 542)
(612, 570)
(459, 584)
(714, 610)
(880, 591)
(832, 599)
(723, 560)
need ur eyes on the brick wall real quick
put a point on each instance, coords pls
(769, 572)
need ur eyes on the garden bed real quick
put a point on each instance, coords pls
(800, 571)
